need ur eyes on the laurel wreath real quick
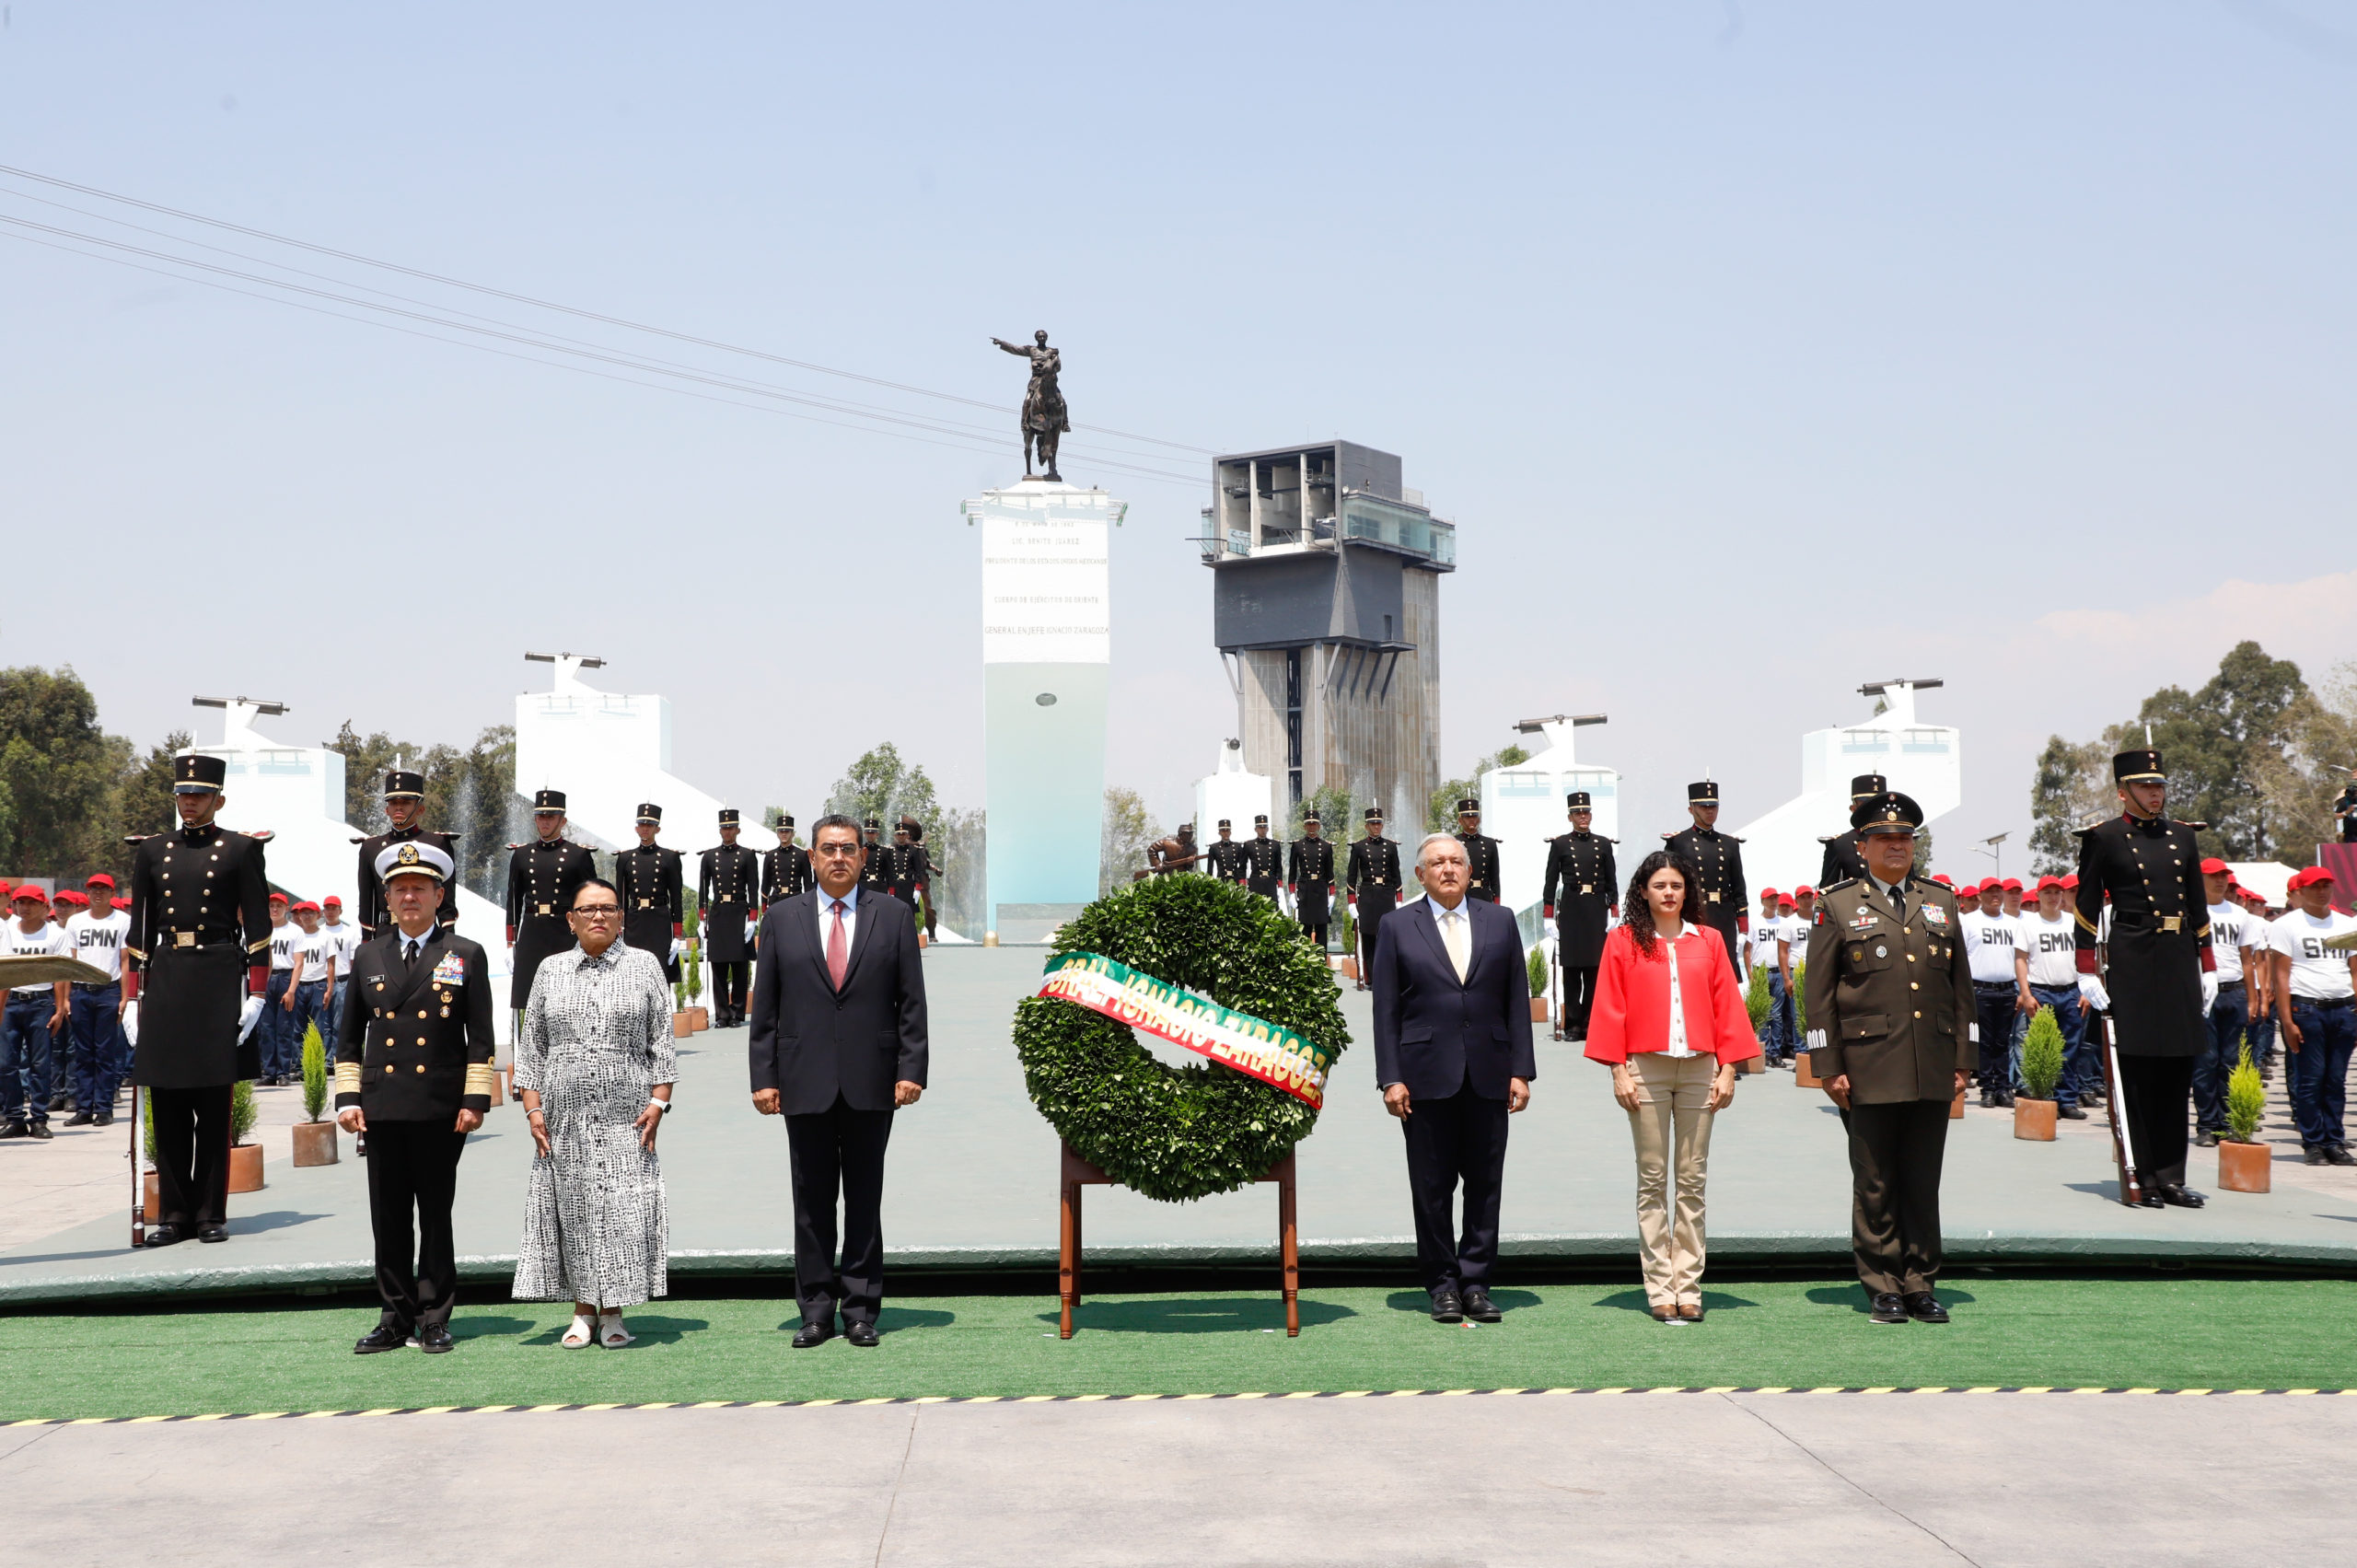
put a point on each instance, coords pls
(1178, 1133)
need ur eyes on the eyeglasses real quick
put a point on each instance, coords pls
(836, 850)
(596, 912)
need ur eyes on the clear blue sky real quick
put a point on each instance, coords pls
(1758, 350)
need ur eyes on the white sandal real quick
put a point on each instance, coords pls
(610, 1332)
(577, 1336)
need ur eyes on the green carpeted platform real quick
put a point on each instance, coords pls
(2009, 1332)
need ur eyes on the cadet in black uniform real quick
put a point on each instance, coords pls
(2163, 972)
(1480, 851)
(876, 870)
(1842, 861)
(787, 870)
(1264, 861)
(1310, 879)
(1717, 860)
(413, 1073)
(2345, 809)
(1579, 864)
(899, 866)
(652, 886)
(729, 890)
(404, 804)
(918, 873)
(542, 877)
(1225, 856)
(199, 961)
(1371, 879)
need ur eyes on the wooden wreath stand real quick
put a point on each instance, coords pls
(1078, 1173)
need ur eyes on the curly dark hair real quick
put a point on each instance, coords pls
(1640, 911)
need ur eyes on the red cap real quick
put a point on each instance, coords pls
(2012, 884)
(2053, 882)
(1770, 893)
(99, 880)
(1785, 902)
(2310, 877)
(307, 905)
(30, 890)
(68, 896)
(276, 896)
(331, 901)
(2071, 882)
(1804, 891)
(2213, 866)
(1942, 878)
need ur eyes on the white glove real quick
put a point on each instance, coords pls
(249, 1017)
(130, 1023)
(2095, 995)
(677, 946)
(2209, 992)
(752, 925)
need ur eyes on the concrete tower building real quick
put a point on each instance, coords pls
(1326, 606)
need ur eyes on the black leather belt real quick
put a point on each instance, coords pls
(2230, 986)
(95, 985)
(2324, 1002)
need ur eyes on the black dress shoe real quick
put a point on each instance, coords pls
(862, 1335)
(2181, 1197)
(38, 1130)
(812, 1335)
(165, 1235)
(2312, 1155)
(2205, 1139)
(380, 1340)
(1480, 1308)
(1924, 1308)
(215, 1232)
(1888, 1307)
(16, 1130)
(435, 1339)
(2150, 1199)
(1448, 1307)
(61, 1102)
(80, 1118)
(2071, 1113)
(2338, 1155)
(104, 1119)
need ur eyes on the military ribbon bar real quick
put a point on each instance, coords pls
(1252, 1046)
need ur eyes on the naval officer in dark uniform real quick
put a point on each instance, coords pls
(1579, 867)
(1371, 881)
(413, 1073)
(1264, 861)
(1309, 877)
(2162, 973)
(728, 889)
(542, 877)
(1843, 862)
(1892, 1032)
(786, 871)
(1717, 860)
(404, 804)
(1225, 856)
(198, 955)
(651, 885)
(1480, 851)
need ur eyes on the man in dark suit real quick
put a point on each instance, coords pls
(837, 1043)
(1454, 1058)
(413, 1073)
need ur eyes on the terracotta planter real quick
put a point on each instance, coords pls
(683, 1026)
(2245, 1167)
(245, 1168)
(1804, 1075)
(1538, 1009)
(701, 1018)
(498, 1095)
(1350, 969)
(2033, 1119)
(315, 1143)
(923, 942)
(1956, 1108)
(151, 1203)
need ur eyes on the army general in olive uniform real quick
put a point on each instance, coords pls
(198, 954)
(650, 882)
(413, 1073)
(1891, 1031)
(542, 877)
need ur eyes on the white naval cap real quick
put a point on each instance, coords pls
(414, 858)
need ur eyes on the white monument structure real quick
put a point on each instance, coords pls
(607, 752)
(1784, 848)
(1239, 796)
(1522, 807)
(1047, 656)
(296, 793)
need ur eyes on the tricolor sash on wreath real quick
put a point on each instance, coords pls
(1254, 1046)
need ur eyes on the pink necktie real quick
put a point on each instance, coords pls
(838, 955)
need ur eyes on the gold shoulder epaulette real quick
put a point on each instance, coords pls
(1837, 886)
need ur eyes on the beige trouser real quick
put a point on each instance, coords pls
(1673, 1099)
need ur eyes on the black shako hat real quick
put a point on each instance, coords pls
(785, 819)
(1309, 818)
(194, 774)
(1225, 823)
(728, 816)
(1866, 785)
(401, 783)
(547, 800)
(650, 812)
(1374, 814)
(1703, 794)
(1262, 820)
(2138, 767)
(1577, 801)
(1888, 812)
(1468, 806)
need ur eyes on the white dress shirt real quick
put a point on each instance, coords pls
(1456, 934)
(827, 919)
(1678, 1046)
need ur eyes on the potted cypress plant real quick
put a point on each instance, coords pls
(1346, 936)
(1804, 1075)
(315, 1140)
(691, 968)
(2041, 1071)
(1536, 967)
(2244, 1165)
(245, 1156)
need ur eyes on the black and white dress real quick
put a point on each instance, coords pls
(597, 1038)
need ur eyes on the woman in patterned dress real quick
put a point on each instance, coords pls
(594, 1067)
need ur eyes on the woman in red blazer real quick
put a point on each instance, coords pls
(1671, 1023)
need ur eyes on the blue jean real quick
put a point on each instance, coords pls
(1780, 1038)
(94, 1017)
(272, 1022)
(310, 1008)
(333, 1024)
(2262, 1041)
(2079, 1063)
(2320, 1071)
(2225, 1024)
(28, 1055)
(1994, 1010)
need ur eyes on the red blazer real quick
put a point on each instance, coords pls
(1631, 1013)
